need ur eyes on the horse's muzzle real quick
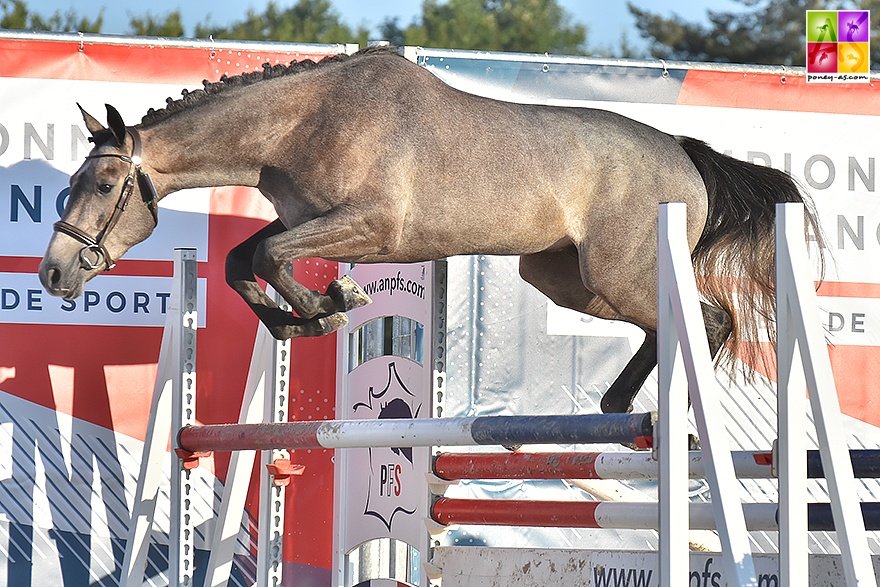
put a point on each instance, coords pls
(55, 284)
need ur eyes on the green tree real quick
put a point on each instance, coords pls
(308, 21)
(150, 26)
(535, 26)
(14, 14)
(770, 32)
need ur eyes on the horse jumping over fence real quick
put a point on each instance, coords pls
(370, 158)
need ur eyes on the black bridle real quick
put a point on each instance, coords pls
(95, 245)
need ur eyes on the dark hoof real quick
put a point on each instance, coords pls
(331, 323)
(347, 294)
(313, 327)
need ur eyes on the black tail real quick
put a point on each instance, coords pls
(734, 259)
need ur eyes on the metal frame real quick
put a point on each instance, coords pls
(176, 373)
(173, 408)
(267, 375)
(681, 327)
(415, 53)
(272, 492)
(803, 353)
(683, 355)
(181, 553)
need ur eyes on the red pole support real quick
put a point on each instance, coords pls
(191, 460)
(282, 470)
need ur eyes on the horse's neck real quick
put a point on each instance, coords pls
(226, 142)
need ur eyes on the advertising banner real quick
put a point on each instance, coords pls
(76, 377)
(385, 372)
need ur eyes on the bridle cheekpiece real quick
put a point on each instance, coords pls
(95, 255)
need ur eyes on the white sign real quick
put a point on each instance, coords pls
(43, 141)
(384, 372)
(108, 300)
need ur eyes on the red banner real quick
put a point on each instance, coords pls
(96, 361)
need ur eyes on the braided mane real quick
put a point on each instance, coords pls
(189, 98)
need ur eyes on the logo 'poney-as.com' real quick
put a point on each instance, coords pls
(838, 43)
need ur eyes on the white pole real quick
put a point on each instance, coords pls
(791, 414)
(181, 550)
(830, 431)
(270, 537)
(680, 288)
(672, 425)
(241, 465)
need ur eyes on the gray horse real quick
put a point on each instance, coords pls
(370, 158)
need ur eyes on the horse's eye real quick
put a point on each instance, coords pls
(104, 188)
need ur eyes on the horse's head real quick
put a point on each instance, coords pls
(111, 208)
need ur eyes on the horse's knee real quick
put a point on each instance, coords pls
(239, 261)
(263, 262)
(238, 265)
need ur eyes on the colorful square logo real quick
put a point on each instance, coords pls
(838, 43)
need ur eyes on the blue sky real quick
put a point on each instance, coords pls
(607, 21)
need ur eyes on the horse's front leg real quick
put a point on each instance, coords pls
(281, 323)
(330, 236)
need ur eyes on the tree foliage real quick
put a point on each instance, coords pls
(307, 21)
(154, 26)
(770, 32)
(14, 14)
(535, 26)
(493, 25)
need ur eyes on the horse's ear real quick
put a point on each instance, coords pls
(91, 122)
(117, 126)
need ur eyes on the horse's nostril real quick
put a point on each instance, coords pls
(54, 277)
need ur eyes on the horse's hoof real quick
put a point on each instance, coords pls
(347, 294)
(332, 323)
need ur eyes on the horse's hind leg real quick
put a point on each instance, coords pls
(719, 325)
(281, 323)
(557, 275)
(619, 397)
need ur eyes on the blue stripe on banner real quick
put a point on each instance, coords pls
(577, 81)
(537, 81)
(580, 429)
